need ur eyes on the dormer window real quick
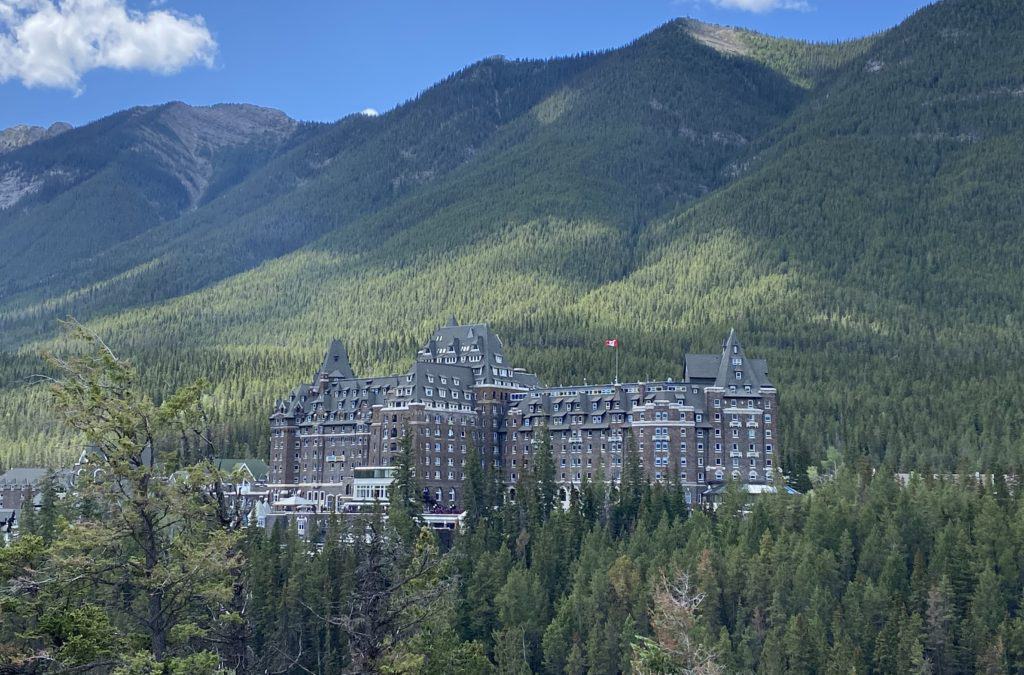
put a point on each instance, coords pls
(735, 349)
(739, 374)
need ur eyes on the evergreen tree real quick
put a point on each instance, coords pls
(404, 507)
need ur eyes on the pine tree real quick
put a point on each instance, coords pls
(152, 544)
(404, 511)
(544, 476)
(475, 491)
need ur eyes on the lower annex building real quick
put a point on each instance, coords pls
(718, 422)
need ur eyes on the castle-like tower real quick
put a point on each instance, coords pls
(457, 392)
(718, 422)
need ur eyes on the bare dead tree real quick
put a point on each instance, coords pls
(675, 648)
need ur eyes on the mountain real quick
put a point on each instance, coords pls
(21, 135)
(852, 209)
(152, 164)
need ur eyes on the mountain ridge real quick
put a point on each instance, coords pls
(21, 135)
(818, 197)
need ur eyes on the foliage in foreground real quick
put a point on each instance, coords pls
(142, 574)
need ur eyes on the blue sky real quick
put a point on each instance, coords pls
(78, 60)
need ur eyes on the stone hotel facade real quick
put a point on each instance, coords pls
(719, 421)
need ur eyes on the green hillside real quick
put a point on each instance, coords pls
(852, 209)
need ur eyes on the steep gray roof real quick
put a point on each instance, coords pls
(22, 476)
(543, 401)
(417, 381)
(735, 369)
(336, 364)
(701, 366)
(474, 345)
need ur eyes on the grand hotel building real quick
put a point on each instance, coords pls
(719, 421)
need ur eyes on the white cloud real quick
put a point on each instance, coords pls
(53, 43)
(369, 112)
(761, 6)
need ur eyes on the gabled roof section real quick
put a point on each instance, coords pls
(258, 469)
(22, 476)
(734, 367)
(698, 367)
(336, 364)
(476, 346)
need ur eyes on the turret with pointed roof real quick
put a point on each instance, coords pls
(336, 364)
(735, 369)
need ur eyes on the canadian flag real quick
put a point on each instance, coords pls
(611, 343)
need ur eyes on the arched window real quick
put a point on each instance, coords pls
(561, 495)
(718, 475)
(753, 475)
(438, 494)
(451, 494)
(511, 494)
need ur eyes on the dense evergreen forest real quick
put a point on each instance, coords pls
(852, 209)
(135, 574)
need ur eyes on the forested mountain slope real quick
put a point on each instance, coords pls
(852, 209)
(68, 198)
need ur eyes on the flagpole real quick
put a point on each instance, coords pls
(616, 363)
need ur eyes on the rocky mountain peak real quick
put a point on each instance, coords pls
(23, 134)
